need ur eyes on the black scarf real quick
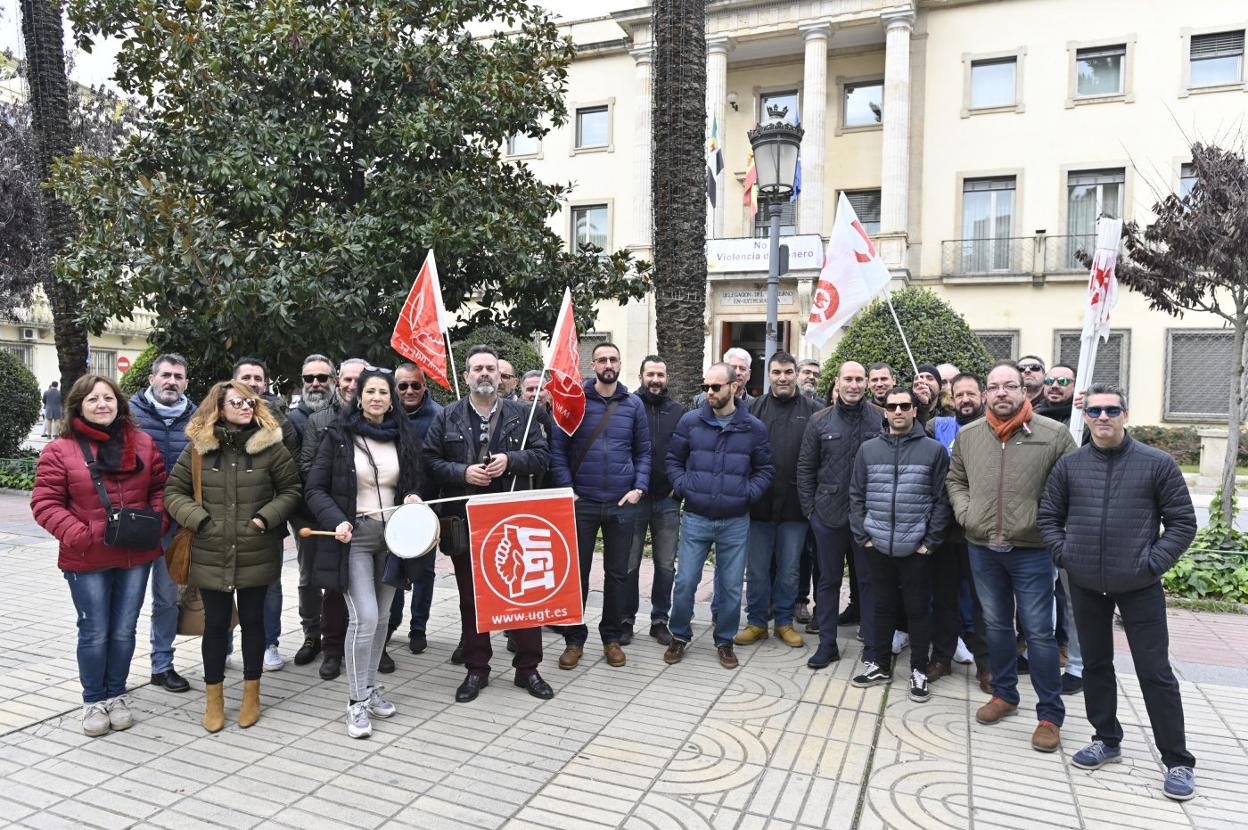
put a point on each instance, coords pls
(963, 420)
(1057, 411)
(387, 430)
(653, 399)
(116, 451)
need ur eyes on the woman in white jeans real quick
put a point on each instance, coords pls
(368, 460)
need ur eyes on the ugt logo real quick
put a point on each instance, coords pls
(525, 559)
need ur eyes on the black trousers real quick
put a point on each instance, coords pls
(808, 572)
(477, 647)
(218, 613)
(902, 582)
(617, 524)
(1144, 620)
(950, 565)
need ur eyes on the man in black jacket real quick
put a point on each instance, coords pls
(657, 510)
(479, 445)
(777, 526)
(824, 466)
(1100, 516)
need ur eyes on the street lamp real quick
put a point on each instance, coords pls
(775, 159)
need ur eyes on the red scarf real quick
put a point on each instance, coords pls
(1005, 429)
(117, 451)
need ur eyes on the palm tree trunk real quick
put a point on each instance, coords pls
(44, 37)
(679, 190)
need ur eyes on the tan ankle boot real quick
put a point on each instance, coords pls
(249, 712)
(214, 707)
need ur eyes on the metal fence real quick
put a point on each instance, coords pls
(976, 257)
(1198, 364)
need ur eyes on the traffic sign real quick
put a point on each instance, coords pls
(123, 364)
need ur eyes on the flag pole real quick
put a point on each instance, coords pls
(900, 331)
(1108, 232)
(536, 402)
(450, 363)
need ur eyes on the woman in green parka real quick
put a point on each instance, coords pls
(250, 488)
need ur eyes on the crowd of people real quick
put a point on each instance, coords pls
(970, 525)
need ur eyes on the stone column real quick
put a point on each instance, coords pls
(716, 103)
(643, 215)
(895, 175)
(814, 116)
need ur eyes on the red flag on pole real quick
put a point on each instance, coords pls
(567, 392)
(420, 332)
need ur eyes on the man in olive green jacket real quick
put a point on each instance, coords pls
(996, 476)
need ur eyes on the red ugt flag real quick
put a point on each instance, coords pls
(567, 392)
(419, 333)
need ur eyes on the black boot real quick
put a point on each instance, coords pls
(385, 665)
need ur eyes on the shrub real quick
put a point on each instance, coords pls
(936, 333)
(17, 474)
(1215, 567)
(520, 354)
(1183, 443)
(20, 403)
(135, 378)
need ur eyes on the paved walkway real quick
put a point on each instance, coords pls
(771, 745)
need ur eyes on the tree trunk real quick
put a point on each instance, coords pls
(678, 185)
(44, 37)
(1233, 422)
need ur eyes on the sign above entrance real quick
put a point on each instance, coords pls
(751, 254)
(754, 296)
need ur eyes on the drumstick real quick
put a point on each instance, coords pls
(305, 532)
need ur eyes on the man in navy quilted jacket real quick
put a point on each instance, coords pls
(719, 463)
(607, 463)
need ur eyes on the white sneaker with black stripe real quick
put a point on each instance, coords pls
(872, 675)
(918, 687)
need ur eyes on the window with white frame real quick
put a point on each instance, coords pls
(1216, 58)
(1112, 356)
(523, 145)
(785, 100)
(1100, 71)
(22, 351)
(1089, 194)
(1198, 362)
(102, 363)
(987, 224)
(590, 226)
(863, 104)
(993, 83)
(593, 127)
(788, 220)
(866, 203)
(1187, 179)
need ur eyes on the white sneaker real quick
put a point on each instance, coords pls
(231, 663)
(273, 660)
(378, 706)
(119, 716)
(95, 721)
(901, 640)
(358, 724)
(962, 654)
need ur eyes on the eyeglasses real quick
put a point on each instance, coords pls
(1063, 382)
(410, 384)
(1030, 367)
(316, 378)
(383, 370)
(712, 387)
(900, 406)
(1096, 411)
(241, 403)
(505, 376)
(1005, 387)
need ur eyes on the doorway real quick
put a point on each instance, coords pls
(752, 336)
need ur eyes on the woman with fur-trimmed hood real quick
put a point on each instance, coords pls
(250, 488)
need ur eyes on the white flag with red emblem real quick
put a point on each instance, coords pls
(852, 274)
(420, 332)
(1102, 283)
(563, 361)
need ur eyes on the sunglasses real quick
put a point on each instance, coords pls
(1063, 382)
(1030, 367)
(900, 406)
(410, 384)
(316, 378)
(381, 369)
(713, 387)
(241, 403)
(1096, 411)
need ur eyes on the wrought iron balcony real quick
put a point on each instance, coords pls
(1004, 256)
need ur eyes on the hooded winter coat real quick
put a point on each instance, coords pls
(246, 474)
(618, 461)
(65, 502)
(897, 496)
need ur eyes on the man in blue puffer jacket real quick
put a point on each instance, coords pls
(719, 463)
(607, 463)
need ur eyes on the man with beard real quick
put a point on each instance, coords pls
(474, 446)
(808, 380)
(333, 606)
(880, 379)
(739, 360)
(926, 386)
(1032, 369)
(777, 526)
(163, 411)
(657, 510)
(951, 567)
(1059, 393)
(507, 380)
(607, 464)
(825, 464)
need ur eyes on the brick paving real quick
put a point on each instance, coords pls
(771, 745)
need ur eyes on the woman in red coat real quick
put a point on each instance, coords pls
(106, 582)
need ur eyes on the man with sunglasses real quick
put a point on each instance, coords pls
(996, 474)
(1059, 393)
(1101, 515)
(1032, 369)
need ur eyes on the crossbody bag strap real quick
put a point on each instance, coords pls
(95, 476)
(593, 436)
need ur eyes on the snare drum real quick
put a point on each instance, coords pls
(412, 530)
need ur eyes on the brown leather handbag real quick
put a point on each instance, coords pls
(178, 554)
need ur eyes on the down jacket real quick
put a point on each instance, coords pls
(897, 498)
(618, 461)
(65, 502)
(662, 416)
(246, 474)
(719, 471)
(785, 420)
(170, 436)
(1102, 511)
(995, 487)
(826, 461)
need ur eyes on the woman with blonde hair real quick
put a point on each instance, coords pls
(250, 488)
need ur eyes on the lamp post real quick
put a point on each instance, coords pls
(775, 158)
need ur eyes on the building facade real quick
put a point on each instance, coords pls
(978, 142)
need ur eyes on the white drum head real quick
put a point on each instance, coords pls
(412, 531)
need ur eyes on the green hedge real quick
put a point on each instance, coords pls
(517, 352)
(20, 403)
(135, 378)
(1182, 443)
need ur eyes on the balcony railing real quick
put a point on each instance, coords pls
(1037, 255)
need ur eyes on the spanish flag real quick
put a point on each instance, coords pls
(751, 184)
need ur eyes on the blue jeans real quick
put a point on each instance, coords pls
(108, 603)
(697, 534)
(1024, 575)
(662, 517)
(781, 541)
(164, 616)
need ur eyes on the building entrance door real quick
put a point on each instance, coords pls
(752, 336)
